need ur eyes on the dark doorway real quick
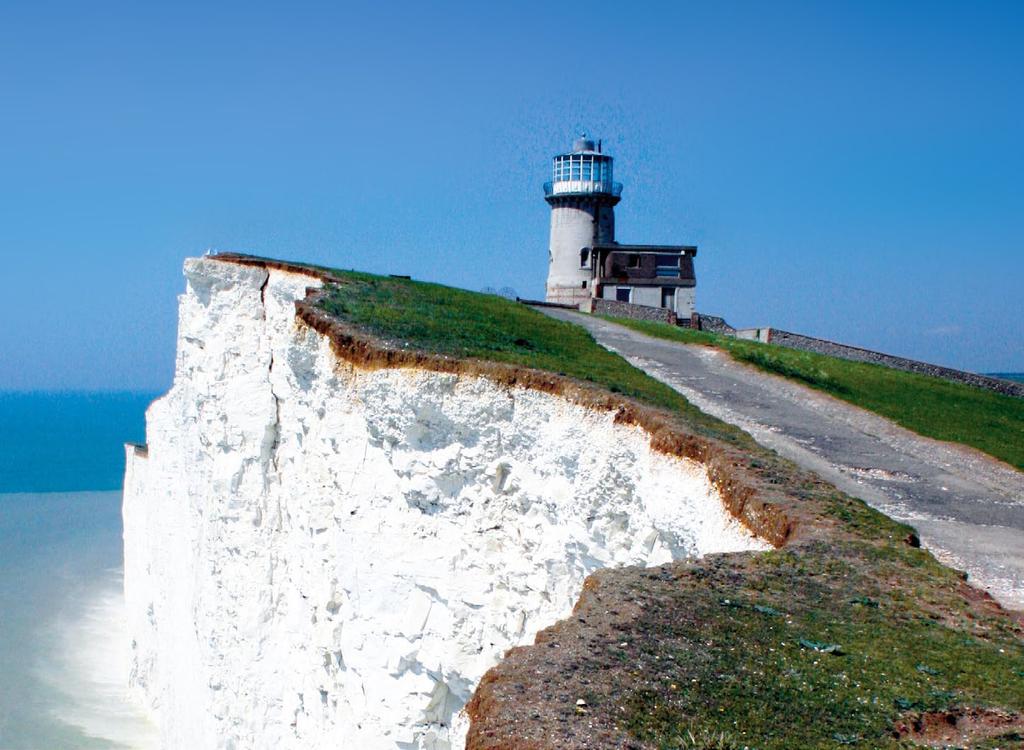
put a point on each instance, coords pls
(668, 297)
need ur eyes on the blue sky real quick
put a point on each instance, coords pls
(852, 171)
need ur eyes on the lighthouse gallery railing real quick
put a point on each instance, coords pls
(571, 187)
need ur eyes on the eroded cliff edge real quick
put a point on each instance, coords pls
(321, 550)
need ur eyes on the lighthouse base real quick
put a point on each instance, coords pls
(567, 295)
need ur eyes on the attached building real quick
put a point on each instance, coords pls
(649, 275)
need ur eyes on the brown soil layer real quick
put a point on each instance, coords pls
(847, 634)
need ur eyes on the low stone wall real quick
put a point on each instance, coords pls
(715, 324)
(637, 312)
(856, 354)
(544, 303)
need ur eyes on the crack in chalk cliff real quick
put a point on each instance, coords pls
(276, 426)
(274, 429)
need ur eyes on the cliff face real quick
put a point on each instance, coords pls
(318, 555)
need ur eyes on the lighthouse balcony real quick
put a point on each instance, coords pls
(582, 187)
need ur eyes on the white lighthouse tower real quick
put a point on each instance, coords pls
(582, 197)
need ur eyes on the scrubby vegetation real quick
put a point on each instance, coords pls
(819, 647)
(929, 406)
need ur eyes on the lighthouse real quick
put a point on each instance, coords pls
(582, 197)
(588, 268)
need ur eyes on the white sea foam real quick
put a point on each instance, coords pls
(86, 668)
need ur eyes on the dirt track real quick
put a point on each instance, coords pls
(967, 507)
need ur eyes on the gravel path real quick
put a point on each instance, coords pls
(967, 507)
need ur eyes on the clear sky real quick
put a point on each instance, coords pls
(849, 170)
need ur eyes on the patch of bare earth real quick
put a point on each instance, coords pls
(561, 692)
(963, 727)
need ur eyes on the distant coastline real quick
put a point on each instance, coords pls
(1018, 376)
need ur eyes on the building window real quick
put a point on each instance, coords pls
(585, 167)
(667, 265)
(622, 293)
(584, 284)
(634, 261)
(584, 257)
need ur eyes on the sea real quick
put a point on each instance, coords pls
(1018, 376)
(63, 646)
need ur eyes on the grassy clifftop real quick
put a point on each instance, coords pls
(462, 324)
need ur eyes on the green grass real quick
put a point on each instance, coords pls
(764, 689)
(929, 406)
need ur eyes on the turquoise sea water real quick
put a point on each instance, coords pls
(66, 442)
(63, 652)
(1019, 376)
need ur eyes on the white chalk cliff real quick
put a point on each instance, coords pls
(322, 556)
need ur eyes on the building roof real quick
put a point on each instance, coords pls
(615, 247)
(620, 264)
